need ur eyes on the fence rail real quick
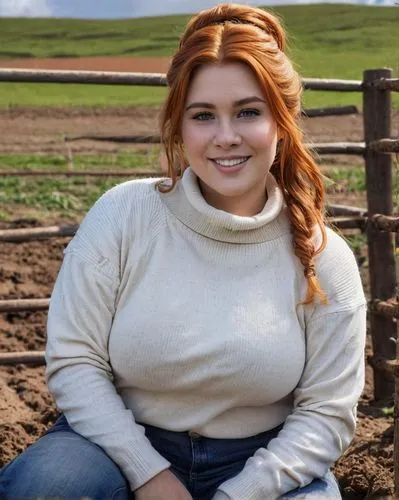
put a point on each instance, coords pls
(37, 233)
(22, 305)
(147, 79)
(339, 217)
(26, 357)
(385, 222)
(159, 79)
(82, 173)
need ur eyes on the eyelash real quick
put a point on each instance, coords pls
(249, 113)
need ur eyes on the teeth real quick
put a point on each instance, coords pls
(231, 163)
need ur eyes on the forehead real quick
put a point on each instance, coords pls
(223, 82)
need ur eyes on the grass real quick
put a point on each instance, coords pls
(326, 40)
(140, 158)
(14, 95)
(71, 197)
(348, 179)
(148, 37)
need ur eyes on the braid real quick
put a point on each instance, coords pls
(304, 195)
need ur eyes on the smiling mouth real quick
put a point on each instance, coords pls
(231, 163)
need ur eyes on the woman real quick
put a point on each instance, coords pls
(206, 331)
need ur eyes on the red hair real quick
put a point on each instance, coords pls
(254, 37)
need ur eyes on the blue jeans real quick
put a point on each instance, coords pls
(62, 463)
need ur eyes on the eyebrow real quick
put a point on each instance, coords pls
(240, 102)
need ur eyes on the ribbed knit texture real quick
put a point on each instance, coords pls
(172, 313)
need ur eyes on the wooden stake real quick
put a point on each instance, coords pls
(396, 409)
(28, 358)
(377, 125)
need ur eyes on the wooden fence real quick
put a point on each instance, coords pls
(377, 220)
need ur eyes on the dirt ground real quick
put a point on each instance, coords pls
(29, 270)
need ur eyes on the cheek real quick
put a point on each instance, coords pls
(195, 140)
(263, 136)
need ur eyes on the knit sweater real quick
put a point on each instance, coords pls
(169, 312)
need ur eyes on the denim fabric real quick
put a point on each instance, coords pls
(63, 463)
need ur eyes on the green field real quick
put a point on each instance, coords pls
(334, 41)
(71, 197)
(65, 197)
(330, 41)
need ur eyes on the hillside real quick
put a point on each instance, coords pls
(318, 33)
(330, 40)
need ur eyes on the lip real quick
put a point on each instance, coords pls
(235, 157)
(230, 170)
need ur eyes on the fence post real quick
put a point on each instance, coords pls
(377, 125)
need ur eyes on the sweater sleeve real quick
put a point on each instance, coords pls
(323, 419)
(78, 372)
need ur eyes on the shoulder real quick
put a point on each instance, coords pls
(336, 250)
(338, 272)
(128, 195)
(122, 201)
(125, 209)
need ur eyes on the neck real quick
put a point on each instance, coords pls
(245, 205)
(188, 204)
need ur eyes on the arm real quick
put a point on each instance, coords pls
(78, 371)
(323, 421)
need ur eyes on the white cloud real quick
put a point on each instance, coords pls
(25, 8)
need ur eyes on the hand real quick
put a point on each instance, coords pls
(164, 486)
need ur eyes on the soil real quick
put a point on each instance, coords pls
(29, 270)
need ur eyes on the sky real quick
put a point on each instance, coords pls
(104, 9)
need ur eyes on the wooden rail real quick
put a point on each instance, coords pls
(37, 233)
(20, 305)
(81, 77)
(82, 173)
(385, 146)
(147, 79)
(385, 222)
(340, 217)
(27, 358)
(383, 83)
(384, 307)
(159, 79)
(330, 111)
(324, 148)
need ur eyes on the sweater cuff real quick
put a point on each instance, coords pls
(220, 495)
(139, 471)
(245, 485)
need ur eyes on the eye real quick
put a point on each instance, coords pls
(249, 113)
(204, 115)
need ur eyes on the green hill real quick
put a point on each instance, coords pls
(326, 40)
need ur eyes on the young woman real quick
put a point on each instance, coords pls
(206, 330)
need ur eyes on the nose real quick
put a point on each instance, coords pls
(226, 135)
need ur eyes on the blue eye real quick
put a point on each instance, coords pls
(203, 116)
(249, 113)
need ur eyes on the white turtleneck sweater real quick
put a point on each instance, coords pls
(169, 312)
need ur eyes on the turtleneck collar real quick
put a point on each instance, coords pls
(188, 205)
